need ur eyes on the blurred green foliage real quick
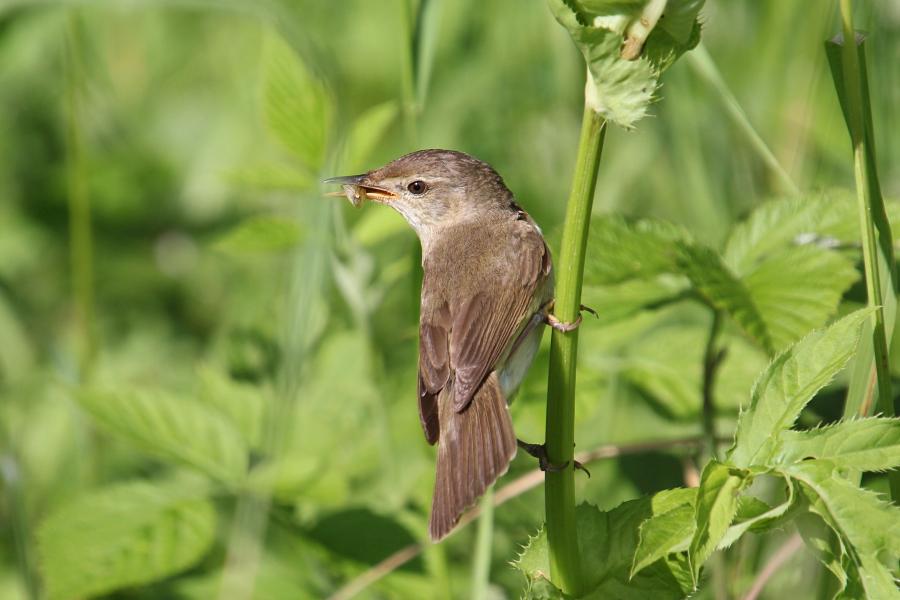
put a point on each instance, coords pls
(253, 331)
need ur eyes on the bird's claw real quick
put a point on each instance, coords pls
(539, 451)
(565, 326)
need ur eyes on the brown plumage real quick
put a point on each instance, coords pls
(487, 274)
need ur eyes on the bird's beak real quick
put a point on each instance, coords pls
(358, 188)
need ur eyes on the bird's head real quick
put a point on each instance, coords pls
(430, 188)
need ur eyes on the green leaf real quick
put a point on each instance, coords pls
(671, 380)
(663, 534)
(723, 290)
(260, 235)
(619, 301)
(621, 90)
(871, 444)
(798, 289)
(777, 224)
(788, 384)
(271, 176)
(297, 106)
(624, 251)
(124, 535)
(755, 515)
(176, 428)
(367, 131)
(828, 548)
(714, 510)
(608, 541)
(866, 523)
(243, 404)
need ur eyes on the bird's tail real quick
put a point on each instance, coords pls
(474, 449)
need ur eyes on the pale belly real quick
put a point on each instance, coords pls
(516, 365)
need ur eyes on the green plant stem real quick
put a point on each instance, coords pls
(877, 241)
(559, 499)
(481, 563)
(704, 66)
(80, 235)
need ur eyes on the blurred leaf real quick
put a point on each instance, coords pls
(363, 536)
(621, 300)
(755, 515)
(827, 547)
(176, 428)
(777, 224)
(618, 89)
(619, 250)
(788, 384)
(871, 444)
(271, 176)
(715, 509)
(798, 289)
(367, 131)
(242, 403)
(297, 106)
(680, 19)
(868, 523)
(260, 235)
(376, 226)
(124, 535)
(670, 379)
(608, 541)
(721, 288)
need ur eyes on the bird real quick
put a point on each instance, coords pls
(487, 291)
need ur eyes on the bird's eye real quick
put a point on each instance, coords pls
(416, 187)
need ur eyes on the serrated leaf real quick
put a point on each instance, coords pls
(714, 510)
(124, 535)
(776, 224)
(866, 522)
(798, 289)
(829, 549)
(663, 534)
(755, 515)
(621, 90)
(680, 19)
(297, 106)
(871, 444)
(723, 290)
(260, 235)
(618, 301)
(870, 523)
(788, 384)
(621, 251)
(608, 541)
(176, 428)
(368, 129)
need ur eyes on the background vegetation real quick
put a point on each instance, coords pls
(207, 370)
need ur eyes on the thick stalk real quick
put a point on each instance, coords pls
(878, 259)
(559, 498)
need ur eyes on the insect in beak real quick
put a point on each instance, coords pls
(357, 191)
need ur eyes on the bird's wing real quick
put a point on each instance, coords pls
(469, 337)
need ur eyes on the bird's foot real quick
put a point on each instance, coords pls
(564, 326)
(539, 451)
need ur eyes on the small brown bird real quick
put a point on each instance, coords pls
(486, 292)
